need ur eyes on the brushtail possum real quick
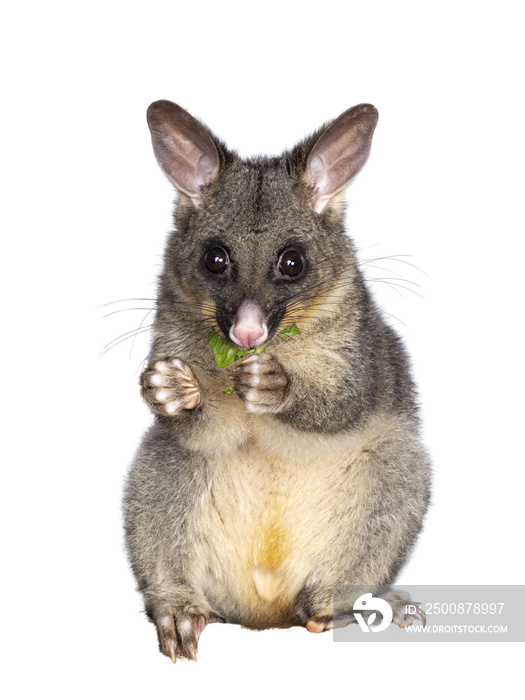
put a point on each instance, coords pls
(297, 467)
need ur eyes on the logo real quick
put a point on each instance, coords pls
(367, 602)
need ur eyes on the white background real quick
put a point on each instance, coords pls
(84, 217)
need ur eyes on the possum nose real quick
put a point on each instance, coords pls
(249, 329)
(248, 336)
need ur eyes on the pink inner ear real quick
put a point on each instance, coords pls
(340, 153)
(184, 149)
(318, 174)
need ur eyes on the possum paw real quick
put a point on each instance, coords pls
(261, 382)
(170, 387)
(179, 633)
(322, 623)
(404, 613)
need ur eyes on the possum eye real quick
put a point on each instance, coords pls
(217, 260)
(291, 263)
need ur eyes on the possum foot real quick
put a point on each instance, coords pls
(261, 382)
(179, 633)
(404, 613)
(322, 623)
(170, 387)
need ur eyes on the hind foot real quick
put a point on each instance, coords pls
(179, 632)
(404, 613)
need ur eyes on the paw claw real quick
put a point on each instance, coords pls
(198, 626)
(167, 637)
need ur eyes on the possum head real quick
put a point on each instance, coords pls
(257, 242)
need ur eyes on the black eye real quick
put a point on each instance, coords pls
(217, 260)
(291, 263)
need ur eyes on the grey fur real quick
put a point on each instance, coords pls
(334, 432)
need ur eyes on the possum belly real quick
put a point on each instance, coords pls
(262, 528)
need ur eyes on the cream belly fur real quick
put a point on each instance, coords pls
(266, 523)
(262, 531)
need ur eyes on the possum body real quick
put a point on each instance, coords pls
(250, 507)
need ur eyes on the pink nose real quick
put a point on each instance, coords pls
(247, 335)
(249, 329)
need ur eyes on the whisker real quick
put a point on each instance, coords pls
(301, 297)
(186, 304)
(190, 339)
(319, 284)
(396, 280)
(396, 258)
(121, 339)
(136, 308)
(127, 333)
(394, 285)
(390, 285)
(186, 321)
(138, 331)
(120, 301)
(395, 317)
(141, 366)
(393, 272)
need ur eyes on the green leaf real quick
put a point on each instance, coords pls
(291, 330)
(225, 352)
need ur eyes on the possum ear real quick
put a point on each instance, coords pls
(184, 149)
(340, 153)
